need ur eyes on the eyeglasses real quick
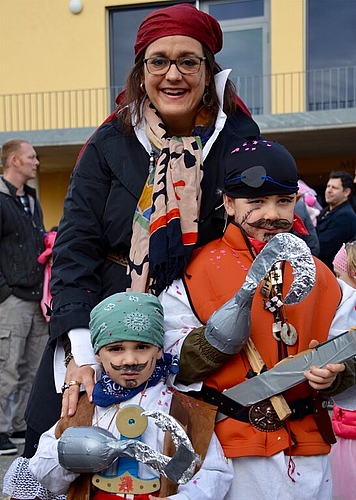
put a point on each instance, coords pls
(185, 65)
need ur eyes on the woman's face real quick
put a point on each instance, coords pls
(177, 97)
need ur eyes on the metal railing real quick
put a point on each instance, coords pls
(55, 109)
(316, 90)
(324, 89)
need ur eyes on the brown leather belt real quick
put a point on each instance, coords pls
(262, 416)
(300, 408)
(120, 259)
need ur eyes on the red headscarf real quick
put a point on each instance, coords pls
(183, 19)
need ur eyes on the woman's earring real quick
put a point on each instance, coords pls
(142, 87)
(206, 97)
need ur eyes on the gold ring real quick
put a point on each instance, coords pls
(74, 382)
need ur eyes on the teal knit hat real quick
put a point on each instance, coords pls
(127, 316)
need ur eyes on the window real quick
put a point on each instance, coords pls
(246, 48)
(236, 10)
(331, 54)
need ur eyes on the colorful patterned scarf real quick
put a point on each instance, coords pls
(165, 226)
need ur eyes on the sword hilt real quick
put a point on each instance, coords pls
(278, 401)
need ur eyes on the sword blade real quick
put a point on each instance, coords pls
(289, 373)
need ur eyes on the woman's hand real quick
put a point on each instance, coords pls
(323, 378)
(83, 375)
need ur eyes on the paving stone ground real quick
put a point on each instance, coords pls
(5, 461)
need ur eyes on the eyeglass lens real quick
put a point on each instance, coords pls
(185, 65)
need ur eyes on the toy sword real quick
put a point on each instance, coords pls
(289, 372)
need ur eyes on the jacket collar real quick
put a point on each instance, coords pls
(7, 188)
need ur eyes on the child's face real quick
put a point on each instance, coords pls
(129, 363)
(263, 217)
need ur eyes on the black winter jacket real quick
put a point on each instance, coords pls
(98, 210)
(21, 242)
(335, 227)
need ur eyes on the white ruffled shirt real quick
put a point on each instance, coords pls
(211, 482)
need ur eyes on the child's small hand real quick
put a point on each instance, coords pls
(151, 497)
(322, 378)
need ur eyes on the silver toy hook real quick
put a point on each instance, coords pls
(290, 248)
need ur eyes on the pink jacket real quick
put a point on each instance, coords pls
(344, 422)
(46, 259)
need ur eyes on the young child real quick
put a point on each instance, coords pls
(309, 196)
(272, 458)
(343, 453)
(127, 336)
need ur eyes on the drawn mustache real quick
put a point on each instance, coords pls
(129, 368)
(274, 224)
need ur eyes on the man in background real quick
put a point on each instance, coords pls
(23, 329)
(336, 223)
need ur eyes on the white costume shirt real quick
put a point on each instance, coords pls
(211, 482)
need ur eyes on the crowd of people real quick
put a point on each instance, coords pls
(183, 232)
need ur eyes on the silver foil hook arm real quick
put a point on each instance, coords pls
(228, 328)
(93, 449)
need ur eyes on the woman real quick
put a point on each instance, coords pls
(177, 89)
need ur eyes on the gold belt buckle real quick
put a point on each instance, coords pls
(263, 417)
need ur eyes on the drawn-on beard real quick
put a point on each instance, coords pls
(129, 369)
(131, 384)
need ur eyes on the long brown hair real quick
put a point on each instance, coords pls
(135, 96)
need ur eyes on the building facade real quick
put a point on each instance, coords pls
(64, 61)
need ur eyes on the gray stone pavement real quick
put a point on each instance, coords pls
(5, 461)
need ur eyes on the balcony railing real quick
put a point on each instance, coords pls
(316, 90)
(324, 89)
